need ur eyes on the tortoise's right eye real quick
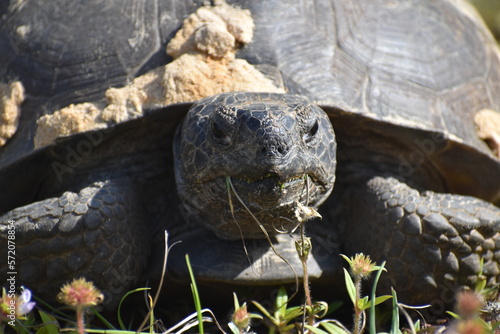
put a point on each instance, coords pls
(219, 135)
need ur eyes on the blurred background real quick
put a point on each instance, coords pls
(490, 10)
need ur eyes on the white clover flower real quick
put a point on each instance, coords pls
(15, 306)
(24, 303)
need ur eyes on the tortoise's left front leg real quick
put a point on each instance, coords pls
(99, 233)
(432, 242)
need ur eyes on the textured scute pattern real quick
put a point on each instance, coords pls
(254, 264)
(429, 65)
(418, 63)
(46, 53)
(69, 51)
(93, 233)
(431, 242)
(278, 150)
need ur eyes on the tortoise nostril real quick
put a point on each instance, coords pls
(273, 151)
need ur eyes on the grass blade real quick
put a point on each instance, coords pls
(395, 314)
(196, 296)
(373, 328)
(118, 312)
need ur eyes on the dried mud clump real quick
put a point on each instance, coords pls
(488, 129)
(72, 119)
(204, 64)
(10, 109)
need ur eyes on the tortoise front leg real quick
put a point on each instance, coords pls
(95, 233)
(432, 242)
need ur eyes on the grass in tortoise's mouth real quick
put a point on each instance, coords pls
(282, 183)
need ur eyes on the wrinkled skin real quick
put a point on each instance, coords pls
(276, 150)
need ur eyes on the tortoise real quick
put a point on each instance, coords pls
(392, 153)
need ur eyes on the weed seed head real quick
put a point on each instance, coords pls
(80, 293)
(241, 317)
(470, 326)
(469, 304)
(362, 266)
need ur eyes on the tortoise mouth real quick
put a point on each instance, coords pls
(273, 191)
(273, 183)
(250, 205)
(243, 206)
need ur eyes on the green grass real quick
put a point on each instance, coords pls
(286, 315)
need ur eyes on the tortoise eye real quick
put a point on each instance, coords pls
(311, 133)
(219, 135)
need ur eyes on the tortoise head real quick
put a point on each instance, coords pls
(247, 157)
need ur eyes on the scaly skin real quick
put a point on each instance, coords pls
(433, 242)
(278, 150)
(92, 233)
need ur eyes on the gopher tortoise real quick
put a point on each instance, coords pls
(393, 154)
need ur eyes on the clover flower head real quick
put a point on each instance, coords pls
(362, 265)
(80, 293)
(469, 303)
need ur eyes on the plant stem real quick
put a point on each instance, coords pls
(307, 290)
(79, 319)
(357, 311)
(307, 293)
